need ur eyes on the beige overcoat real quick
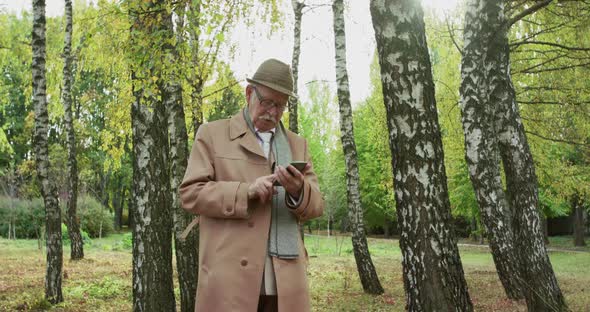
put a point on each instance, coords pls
(226, 157)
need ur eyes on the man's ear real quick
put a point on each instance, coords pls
(248, 94)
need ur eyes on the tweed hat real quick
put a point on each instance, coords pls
(276, 75)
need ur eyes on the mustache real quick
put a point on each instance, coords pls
(268, 118)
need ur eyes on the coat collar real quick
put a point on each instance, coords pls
(238, 129)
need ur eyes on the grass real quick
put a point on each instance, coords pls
(102, 281)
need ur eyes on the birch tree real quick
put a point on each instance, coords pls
(53, 277)
(365, 267)
(293, 102)
(187, 252)
(77, 247)
(538, 281)
(493, 127)
(481, 145)
(433, 274)
(152, 221)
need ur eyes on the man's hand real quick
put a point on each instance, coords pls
(262, 188)
(291, 179)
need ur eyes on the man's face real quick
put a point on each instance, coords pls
(266, 106)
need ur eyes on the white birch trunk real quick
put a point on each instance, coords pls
(153, 288)
(293, 102)
(53, 277)
(433, 274)
(187, 254)
(365, 267)
(481, 145)
(77, 247)
(538, 281)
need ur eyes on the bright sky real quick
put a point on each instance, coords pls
(317, 42)
(317, 45)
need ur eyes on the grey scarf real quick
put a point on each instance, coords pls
(284, 230)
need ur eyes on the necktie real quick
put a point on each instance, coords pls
(265, 137)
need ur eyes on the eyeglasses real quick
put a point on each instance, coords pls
(268, 103)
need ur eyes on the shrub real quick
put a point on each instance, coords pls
(127, 241)
(25, 218)
(95, 219)
(65, 235)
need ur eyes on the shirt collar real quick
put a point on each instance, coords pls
(271, 130)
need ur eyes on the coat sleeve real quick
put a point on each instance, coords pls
(201, 194)
(312, 204)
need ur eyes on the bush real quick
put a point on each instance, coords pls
(127, 241)
(95, 219)
(65, 236)
(25, 218)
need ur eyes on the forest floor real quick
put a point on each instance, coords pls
(102, 281)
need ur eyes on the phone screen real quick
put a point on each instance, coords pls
(300, 165)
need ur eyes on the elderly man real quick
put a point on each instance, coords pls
(251, 255)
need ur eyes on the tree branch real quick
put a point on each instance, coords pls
(452, 34)
(319, 80)
(552, 103)
(311, 7)
(552, 44)
(552, 69)
(544, 62)
(220, 90)
(555, 140)
(216, 45)
(534, 8)
(548, 30)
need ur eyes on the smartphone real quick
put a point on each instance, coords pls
(300, 165)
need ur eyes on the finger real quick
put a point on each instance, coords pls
(268, 195)
(284, 177)
(268, 185)
(292, 184)
(294, 172)
(307, 167)
(295, 180)
(261, 194)
(263, 190)
(271, 177)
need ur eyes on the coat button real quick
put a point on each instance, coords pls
(244, 262)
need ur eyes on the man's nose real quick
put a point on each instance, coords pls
(274, 109)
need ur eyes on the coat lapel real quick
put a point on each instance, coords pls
(239, 130)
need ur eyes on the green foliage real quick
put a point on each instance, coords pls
(15, 85)
(95, 219)
(553, 91)
(106, 288)
(227, 102)
(65, 237)
(25, 218)
(127, 241)
(6, 151)
(372, 142)
(318, 124)
(462, 197)
(40, 303)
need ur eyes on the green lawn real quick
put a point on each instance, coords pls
(102, 281)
